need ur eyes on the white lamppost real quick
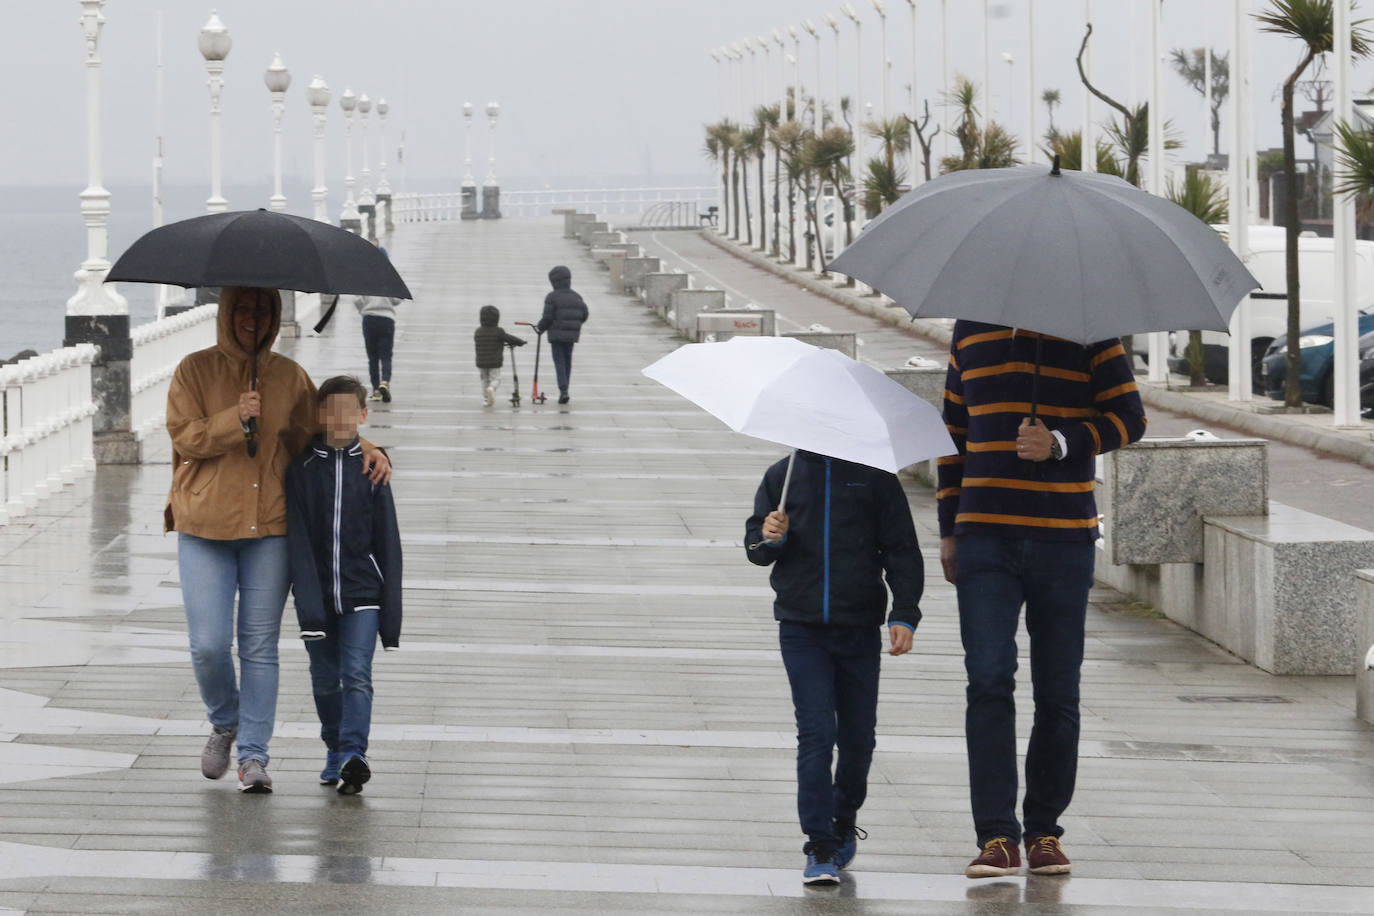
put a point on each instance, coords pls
(987, 60)
(214, 44)
(1010, 61)
(383, 107)
(720, 77)
(317, 94)
(796, 73)
(1345, 372)
(1242, 141)
(365, 198)
(1030, 81)
(493, 111)
(278, 80)
(349, 216)
(93, 296)
(1087, 150)
(752, 98)
(917, 176)
(839, 92)
(858, 103)
(782, 82)
(817, 107)
(882, 18)
(765, 98)
(944, 78)
(1159, 369)
(468, 180)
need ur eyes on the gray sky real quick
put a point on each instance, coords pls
(595, 90)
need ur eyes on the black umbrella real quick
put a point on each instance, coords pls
(263, 249)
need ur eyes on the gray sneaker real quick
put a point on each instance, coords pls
(253, 777)
(214, 760)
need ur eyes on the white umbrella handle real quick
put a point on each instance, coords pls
(786, 482)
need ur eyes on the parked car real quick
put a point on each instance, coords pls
(1316, 362)
(1367, 375)
(1268, 307)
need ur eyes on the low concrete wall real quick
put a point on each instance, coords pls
(605, 239)
(1364, 639)
(929, 386)
(1279, 589)
(573, 223)
(636, 269)
(658, 287)
(726, 323)
(685, 304)
(844, 341)
(585, 231)
(1161, 488)
(616, 266)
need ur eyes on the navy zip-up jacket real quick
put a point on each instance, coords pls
(343, 541)
(847, 525)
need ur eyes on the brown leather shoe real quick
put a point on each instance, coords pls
(1000, 857)
(1045, 856)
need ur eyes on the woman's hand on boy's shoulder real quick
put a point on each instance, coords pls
(377, 465)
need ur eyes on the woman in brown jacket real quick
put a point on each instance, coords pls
(229, 511)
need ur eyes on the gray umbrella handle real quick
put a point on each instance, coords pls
(786, 482)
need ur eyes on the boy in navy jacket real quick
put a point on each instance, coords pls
(345, 554)
(845, 527)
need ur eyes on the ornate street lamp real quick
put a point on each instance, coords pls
(383, 188)
(365, 198)
(349, 218)
(882, 15)
(93, 297)
(469, 186)
(317, 94)
(491, 191)
(278, 80)
(214, 44)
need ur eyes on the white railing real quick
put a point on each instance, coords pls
(417, 208)
(45, 426)
(158, 347)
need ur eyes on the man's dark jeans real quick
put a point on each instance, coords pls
(994, 577)
(834, 675)
(562, 363)
(379, 333)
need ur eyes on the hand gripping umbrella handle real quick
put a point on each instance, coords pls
(782, 500)
(250, 433)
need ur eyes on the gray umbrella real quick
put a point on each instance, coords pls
(1077, 255)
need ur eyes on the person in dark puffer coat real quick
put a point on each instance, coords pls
(490, 341)
(564, 315)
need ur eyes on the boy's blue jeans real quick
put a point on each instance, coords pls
(341, 677)
(212, 573)
(833, 671)
(379, 336)
(994, 577)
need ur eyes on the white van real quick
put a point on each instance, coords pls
(1268, 306)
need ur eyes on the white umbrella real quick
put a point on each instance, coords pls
(789, 392)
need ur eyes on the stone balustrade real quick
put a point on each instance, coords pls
(158, 347)
(47, 436)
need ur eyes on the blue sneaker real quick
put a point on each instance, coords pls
(849, 835)
(820, 868)
(329, 776)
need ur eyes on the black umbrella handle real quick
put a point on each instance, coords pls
(250, 433)
(1035, 380)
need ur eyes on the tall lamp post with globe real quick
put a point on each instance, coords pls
(97, 314)
(214, 44)
(317, 94)
(367, 203)
(491, 190)
(349, 218)
(278, 80)
(469, 185)
(383, 188)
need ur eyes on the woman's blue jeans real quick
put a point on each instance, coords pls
(833, 671)
(994, 576)
(212, 573)
(341, 677)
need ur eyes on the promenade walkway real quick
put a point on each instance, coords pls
(588, 713)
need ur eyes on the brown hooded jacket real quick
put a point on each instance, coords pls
(218, 492)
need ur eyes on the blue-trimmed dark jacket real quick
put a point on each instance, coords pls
(343, 541)
(848, 525)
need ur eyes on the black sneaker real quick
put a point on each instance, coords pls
(562, 399)
(386, 392)
(849, 834)
(353, 775)
(820, 870)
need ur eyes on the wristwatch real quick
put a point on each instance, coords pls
(1056, 451)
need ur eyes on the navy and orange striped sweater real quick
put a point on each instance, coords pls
(1088, 393)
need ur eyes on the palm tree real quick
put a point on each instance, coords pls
(895, 137)
(765, 119)
(882, 186)
(1132, 137)
(788, 139)
(825, 153)
(719, 144)
(749, 146)
(990, 147)
(1191, 65)
(1051, 99)
(1311, 22)
(1206, 199)
(1356, 151)
(1069, 149)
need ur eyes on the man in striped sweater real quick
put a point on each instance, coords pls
(1018, 524)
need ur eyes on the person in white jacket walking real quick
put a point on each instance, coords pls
(379, 333)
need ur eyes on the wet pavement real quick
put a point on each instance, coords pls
(588, 713)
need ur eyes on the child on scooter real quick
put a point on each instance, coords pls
(490, 342)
